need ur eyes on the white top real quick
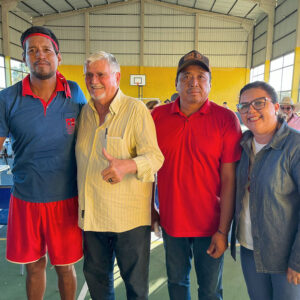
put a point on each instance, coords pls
(244, 234)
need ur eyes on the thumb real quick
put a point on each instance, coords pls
(107, 155)
(211, 249)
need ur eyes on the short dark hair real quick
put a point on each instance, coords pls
(263, 86)
(42, 30)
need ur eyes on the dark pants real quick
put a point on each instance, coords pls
(132, 251)
(179, 253)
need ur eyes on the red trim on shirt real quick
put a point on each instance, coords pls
(61, 86)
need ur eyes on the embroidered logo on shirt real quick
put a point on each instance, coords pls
(70, 124)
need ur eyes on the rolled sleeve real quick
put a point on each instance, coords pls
(149, 158)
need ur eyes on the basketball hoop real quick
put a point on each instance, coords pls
(138, 80)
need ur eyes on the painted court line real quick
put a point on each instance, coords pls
(83, 292)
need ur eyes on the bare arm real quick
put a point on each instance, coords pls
(219, 242)
(2, 139)
(227, 196)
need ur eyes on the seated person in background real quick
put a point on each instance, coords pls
(225, 104)
(151, 103)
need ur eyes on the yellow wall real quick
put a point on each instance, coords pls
(267, 71)
(226, 85)
(296, 77)
(74, 73)
(160, 82)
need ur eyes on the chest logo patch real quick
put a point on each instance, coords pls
(70, 125)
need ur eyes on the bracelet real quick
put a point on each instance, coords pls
(222, 232)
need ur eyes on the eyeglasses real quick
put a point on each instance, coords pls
(287, 108)
(89, 76)
(257, 104)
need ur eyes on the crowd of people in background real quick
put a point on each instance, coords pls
(84, 175)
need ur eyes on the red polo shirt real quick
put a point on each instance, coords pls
(194, 148)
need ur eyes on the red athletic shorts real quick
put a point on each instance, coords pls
(36, 228)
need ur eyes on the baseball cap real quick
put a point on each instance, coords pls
(193, 58)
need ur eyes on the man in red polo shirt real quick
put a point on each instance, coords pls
(200, 142)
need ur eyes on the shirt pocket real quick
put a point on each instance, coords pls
(69, 123)
(117, 147)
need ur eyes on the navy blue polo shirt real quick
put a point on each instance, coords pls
(43, 139)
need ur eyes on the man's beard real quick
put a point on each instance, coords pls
(42, 76)
(99, 97)
(286, 116)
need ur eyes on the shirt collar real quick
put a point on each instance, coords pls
(114, 105)
(276, 142)
(61, 86)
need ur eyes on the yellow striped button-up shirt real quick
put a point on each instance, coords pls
(128, 132)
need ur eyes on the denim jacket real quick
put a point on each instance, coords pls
(274, 200)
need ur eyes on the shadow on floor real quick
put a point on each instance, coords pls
(12, 284)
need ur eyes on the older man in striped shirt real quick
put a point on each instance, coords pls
(117, 156)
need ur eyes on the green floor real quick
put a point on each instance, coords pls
(12, 284)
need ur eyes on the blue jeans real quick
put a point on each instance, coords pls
(179, 253)
(132, 251)
(266, 286)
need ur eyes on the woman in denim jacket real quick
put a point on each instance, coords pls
(267, 215)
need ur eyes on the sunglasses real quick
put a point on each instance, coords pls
(287, 108)
(257, 104)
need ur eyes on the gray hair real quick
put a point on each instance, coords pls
(100, 55)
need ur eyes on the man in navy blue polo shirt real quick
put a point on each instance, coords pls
(40, 113)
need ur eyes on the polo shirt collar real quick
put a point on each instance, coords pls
(61, 86)
(175, 108)
(204, 109)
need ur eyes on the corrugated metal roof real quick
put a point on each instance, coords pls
(248, 9)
